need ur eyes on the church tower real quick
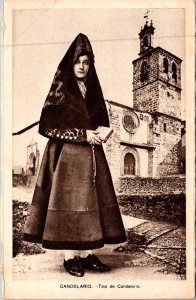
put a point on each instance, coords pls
(157, 91)
(156, 77)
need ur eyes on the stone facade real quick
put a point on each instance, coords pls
(167, 153)
(147, 139)
(155, 144)
(138, 142)
(160, 90)
(145, 98)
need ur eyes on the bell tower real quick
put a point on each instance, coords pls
(157, 91)
(145, 36)
(156, 77)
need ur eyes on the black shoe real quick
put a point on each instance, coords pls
(74, 266)
(92, 262)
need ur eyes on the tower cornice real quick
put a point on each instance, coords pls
(157, 49)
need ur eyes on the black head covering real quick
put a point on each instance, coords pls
(65, 107)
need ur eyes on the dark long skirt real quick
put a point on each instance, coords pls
(68, 211)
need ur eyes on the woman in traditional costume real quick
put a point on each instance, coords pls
(74, 206)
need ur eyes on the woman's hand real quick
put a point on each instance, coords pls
(93, 137)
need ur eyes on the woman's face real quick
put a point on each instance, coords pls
(81, 67)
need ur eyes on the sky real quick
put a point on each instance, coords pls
(42, 36)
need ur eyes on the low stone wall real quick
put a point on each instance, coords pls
(19, 179)
(163, 207)
(140, 186)
(20, 213)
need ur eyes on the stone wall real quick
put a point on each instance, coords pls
(112, 147)
(165, 208)
(172, 163)
(158, 97)
(167, 154)
(141, 186)
(19, 179)
(146, 97)
(20, 213)
(146, 92)
(168, 76)
(151, 59)
(170, 100)
(160, 91)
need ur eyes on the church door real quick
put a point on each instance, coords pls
(129, 164)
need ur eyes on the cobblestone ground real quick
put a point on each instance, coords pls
(160, 244)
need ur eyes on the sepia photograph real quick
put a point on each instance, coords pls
(97, 201)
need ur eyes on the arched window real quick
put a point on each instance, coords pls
(144, 71)
(174, 71)
(129, 164)
(165, 65)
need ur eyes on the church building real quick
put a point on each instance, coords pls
(147, 139)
